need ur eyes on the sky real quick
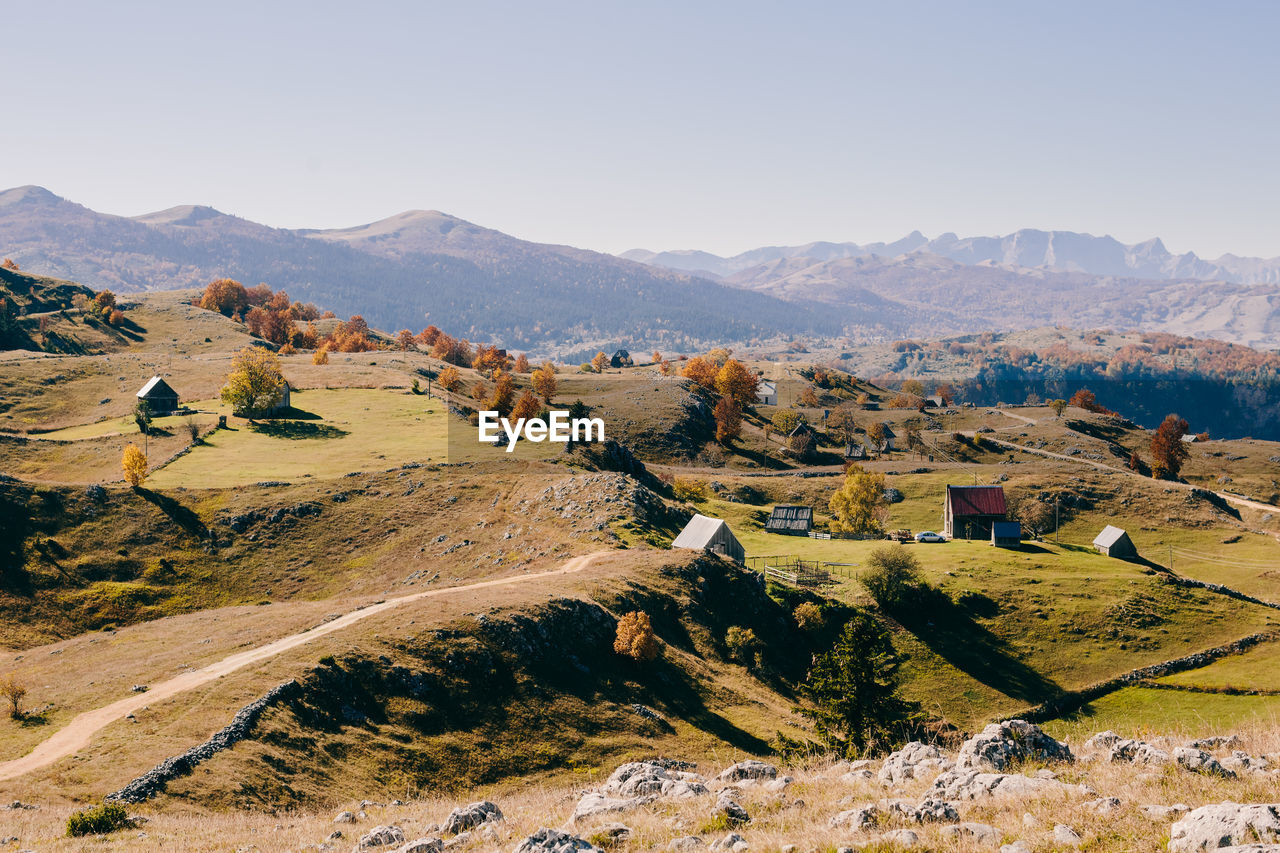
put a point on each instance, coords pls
(611, 125)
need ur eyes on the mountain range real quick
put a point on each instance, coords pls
(424, 266)
(1053, 251)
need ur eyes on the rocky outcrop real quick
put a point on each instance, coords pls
(470, 816)
(914, 761)
(1199, 761)
(1224, 825)
(380, 836)
(972, 785)
(1137, 752)
(555, 841)
(637, 783)
(748, 770)
(154, 780)
(1001, 745)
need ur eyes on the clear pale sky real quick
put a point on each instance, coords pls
(612, 125)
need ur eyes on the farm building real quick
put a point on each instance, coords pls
(934, 401)
(710, 534)
(855, 450)
(889, 437)
(621, 358)
(157, 394)
(1006, 534)
(970, 511)
(282, 405)
(767, 393)
(1114, 542)
(790, 520)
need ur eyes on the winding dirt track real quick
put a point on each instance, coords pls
(77, 734)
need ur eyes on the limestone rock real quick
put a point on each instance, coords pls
(554, 841)
(732, 842)
(381, 836)
(1103, 805)
(471, 816)
(1137, 752)
(727, 806)
(902, 838)
(860, 818)
(1216, 742)
(597, 802)
(972, 785)
(984, 834)
(1223, 825)
(749, 769)
(1199, 761)
(688, 842)
(914, 761)
(1000, 745)
(1063, 834)
(668, 778)
(1103, 740)
(344, 817)
(1016, 847)
(422, 845)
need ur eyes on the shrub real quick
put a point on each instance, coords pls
(893, 577)
(13, 692)
(809, 617)
(192, 427)
(742, 644)
(635, 638)
(689, 490)
(108, 817)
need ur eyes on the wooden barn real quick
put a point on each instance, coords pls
(1006, 534)
(621, 358)
(710, 534)
(1114, 542)
(971, 511)
(157, 394)
(790, 520)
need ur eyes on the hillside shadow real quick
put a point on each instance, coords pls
(951, 632)
(762, 459)
(297, 430)
(180, 515)
(15, 528)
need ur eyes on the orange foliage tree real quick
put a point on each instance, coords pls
(737, 383)
(544, 382)
(1168, 451)
(635, 638)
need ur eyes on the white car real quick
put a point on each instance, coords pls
(930, 536)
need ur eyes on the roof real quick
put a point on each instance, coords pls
(157, 387)
(1109, 536)
(790, 517)
(976, 500)
(1006, 530)
(888, 431)
(766, 387)
(699, 532)
(802, 428)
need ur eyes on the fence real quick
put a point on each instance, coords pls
(793, 571)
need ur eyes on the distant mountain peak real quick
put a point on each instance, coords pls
(28, 194)
(183, 214)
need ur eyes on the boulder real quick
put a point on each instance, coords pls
(1063, 834)
(748, 770)
(1103, 805)
(668, 778)
(914, 761)
(344, 817)
(1016, 847)
(861, 818)
(1103, 740)
(728, 807)
(381, 836)
(972, 785)
(1000, 745)
(554, 841)
(983, 834)
(615, 832)
(1224, 825)
(904, 838)
(471, 816)
(1199, 761)
(1159, 812)
(688, 842)
(597, 802)
(1216, 742)
(422, 845)
(1137, 752)
(933, 810)
(733, 841)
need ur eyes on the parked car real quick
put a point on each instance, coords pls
(930, 536)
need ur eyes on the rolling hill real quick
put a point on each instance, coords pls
(400, 272)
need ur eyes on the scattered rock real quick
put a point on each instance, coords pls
(1199, 761)
(597, 802)
(345, 817)
(422, 845)
(1063, 834)
(733, 841)
(688, 842)
(1137, 752)
(668, 778)
(1103, 740)
(1001, 744)
(1016, 847)
(1103, 805)
(748, 770)
(861, 818)
(932, 810)
(729, 808)
(615, 832)
(913, 761)
(381, 836)
(972, 785)
(984, 834)
(554, 841)
(1213, 827)
(778, 786)
(471, 816)
(902, 838)
(1159, 812)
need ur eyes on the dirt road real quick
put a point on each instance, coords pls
(77, 734)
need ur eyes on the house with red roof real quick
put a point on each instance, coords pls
(971, 511)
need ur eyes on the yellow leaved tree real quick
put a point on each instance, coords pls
(255, 385)
(858, 506)
(134, 463)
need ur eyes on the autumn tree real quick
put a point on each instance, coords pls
(858, 506)
(742, 644)
(785, 421)
(544, 382)
(526, 407)
(321, 355)
(10, 264)
(450, 379)
(946, 392)
(719, 356)
(600, 362)
(134, 463)
(702, 371)
(404, 340)
(657, 356)
(913, 387)
(226, 296)
(1168, 451)
(728, 416)
(842, 423)
(489, 359)
(13, 691)
(1058, 407)
(522, 363)
(635, 638)
(255, 385)
(737, 383)
(879, 435)
(808, 398)
(504, 392)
